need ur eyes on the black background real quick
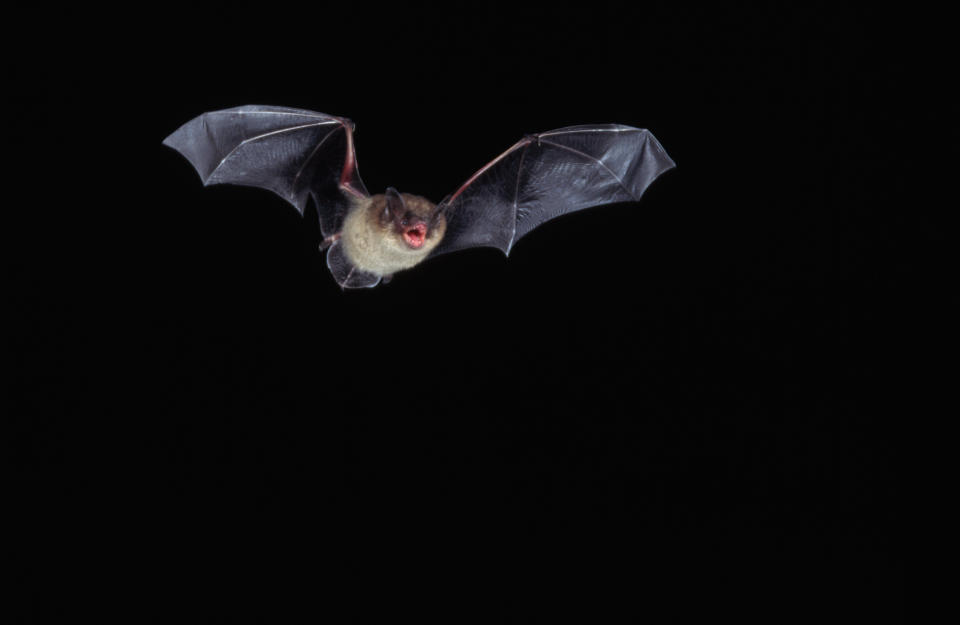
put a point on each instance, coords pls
(648, 408)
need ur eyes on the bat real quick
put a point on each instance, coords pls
(302, 155)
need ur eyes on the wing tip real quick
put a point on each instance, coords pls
(172, 140)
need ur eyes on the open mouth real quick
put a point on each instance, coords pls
(415, 235)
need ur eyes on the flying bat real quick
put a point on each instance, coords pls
(300, 154)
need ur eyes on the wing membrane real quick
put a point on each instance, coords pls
(547, 175)
(295, 153)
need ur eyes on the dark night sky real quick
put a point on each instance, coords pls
(652, 407)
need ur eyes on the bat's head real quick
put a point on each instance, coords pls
(412, 219)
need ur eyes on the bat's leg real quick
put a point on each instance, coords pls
(330, 240)
(387, 278)
(347, 275)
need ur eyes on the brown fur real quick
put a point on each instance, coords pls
(372, 244)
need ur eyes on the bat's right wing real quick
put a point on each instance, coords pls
(293, 152)
(549, 174)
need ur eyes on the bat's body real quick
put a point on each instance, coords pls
(370, 243)
(300, 154)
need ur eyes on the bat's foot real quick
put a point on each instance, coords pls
(330, 240)
(386, 279)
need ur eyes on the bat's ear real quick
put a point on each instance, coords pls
(395, 204)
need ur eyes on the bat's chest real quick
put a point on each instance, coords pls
(378, 251)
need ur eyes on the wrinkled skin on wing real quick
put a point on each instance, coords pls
(547, 175)
(293, 152)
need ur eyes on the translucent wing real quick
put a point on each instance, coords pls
(293, 152)
(550, 174)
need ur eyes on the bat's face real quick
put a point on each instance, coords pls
(412, 219)
(411, 229)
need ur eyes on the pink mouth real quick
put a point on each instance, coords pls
(416, 235)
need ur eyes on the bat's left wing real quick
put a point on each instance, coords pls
(296, 153)
(549, 174)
